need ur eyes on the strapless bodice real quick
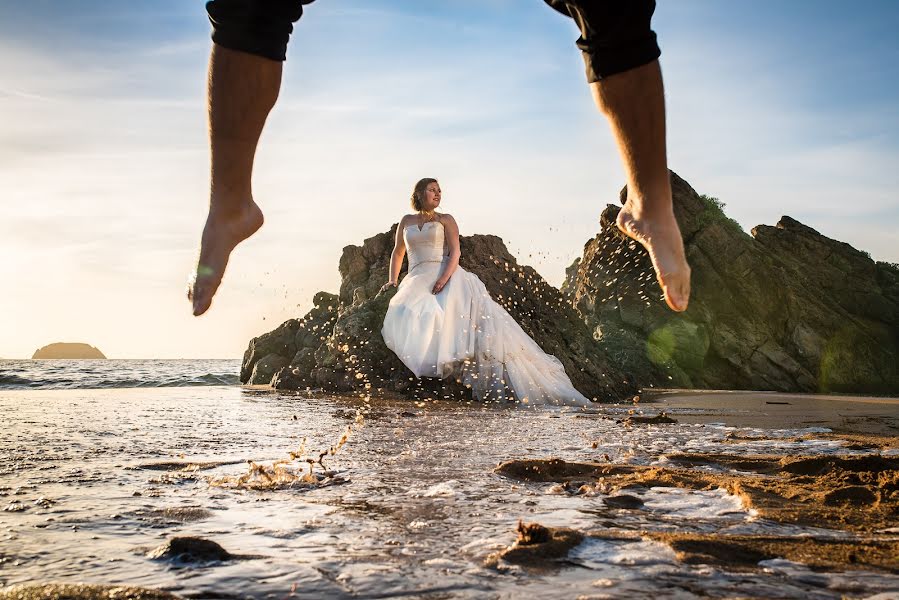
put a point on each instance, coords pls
(425, 245)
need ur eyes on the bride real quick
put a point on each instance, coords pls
(442, 322)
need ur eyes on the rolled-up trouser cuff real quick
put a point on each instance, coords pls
(260, 27)
(616, 35)
(274, 48)
(603, 62)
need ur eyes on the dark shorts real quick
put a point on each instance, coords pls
(615, 34)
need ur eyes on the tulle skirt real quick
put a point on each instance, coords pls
(463, 333)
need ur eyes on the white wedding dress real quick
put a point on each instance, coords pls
(463, 333)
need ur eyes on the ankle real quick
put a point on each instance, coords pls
(230, 206)
(642, 212)
(650, 202)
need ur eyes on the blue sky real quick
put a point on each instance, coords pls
(774, 107)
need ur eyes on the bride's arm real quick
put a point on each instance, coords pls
(452, 239)
(396, 257)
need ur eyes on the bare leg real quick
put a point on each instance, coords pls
(242, 90)
(634, 103)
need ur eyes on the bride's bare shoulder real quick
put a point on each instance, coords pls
(446, 218)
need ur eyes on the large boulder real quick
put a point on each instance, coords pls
(290, 338)
(785, 308)
(266, 367)
(338, 346)
(281, 342)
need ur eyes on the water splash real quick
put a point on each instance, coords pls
(298, 470)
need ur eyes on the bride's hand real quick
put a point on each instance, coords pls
(438, 286)
(386, 286)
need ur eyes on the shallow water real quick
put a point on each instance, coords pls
(417, 512)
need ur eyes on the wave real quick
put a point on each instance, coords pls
(34, 375)
(14, 382)
(9, 379)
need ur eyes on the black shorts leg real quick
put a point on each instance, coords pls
(615, 34)
(260, 27)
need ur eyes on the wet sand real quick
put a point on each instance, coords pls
(854, 493)
(858, 495)
(867, 415)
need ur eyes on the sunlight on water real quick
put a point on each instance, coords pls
(113, 373)
(93, 482)
(290, 472)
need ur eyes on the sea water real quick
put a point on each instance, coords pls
(98, 475)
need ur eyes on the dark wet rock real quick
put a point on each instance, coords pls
(289, 378)
(659, 419)
(785, 308)
(81, 591)
(68, 351)
(623, 501)
(265, 368)
(552, 469)
(190, 550)
(338, 347)
(292, 337)
(280, 342)
(537, 545)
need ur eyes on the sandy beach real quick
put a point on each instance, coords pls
(843, 414)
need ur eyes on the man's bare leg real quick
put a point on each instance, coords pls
(242, 89)
(634, 103)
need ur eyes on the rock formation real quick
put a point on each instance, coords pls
(68, 350)
(785, 308)
(338, 347)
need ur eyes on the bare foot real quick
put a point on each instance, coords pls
(662, 239)
(220, 236)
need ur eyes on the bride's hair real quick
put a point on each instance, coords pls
(419, 190)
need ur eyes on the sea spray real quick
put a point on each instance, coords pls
(291, 472)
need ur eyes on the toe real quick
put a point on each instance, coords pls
(201, 303)
(672, 300)
(200, 295)
(201, 287)
(677, 291)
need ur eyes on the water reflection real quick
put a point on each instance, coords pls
(98, 478)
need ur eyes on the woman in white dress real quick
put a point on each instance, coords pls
(442, 322)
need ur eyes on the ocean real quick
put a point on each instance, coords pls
(104, 464)
(100, 374)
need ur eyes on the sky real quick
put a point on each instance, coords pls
(776, 108)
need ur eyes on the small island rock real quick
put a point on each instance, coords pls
(68, 351)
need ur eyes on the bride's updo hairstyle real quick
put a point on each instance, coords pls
(418, 192)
